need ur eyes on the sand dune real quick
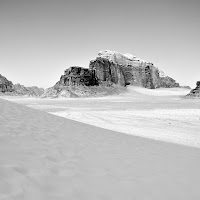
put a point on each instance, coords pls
(43, 156)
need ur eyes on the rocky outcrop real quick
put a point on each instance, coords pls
(82, 91)
(111, 67)
(59, 91)
(195, 92)
(186, 87)
(107, 71)
(125, 69)
(5, 85)
(168, 82)
(75, 76)
(33, 91)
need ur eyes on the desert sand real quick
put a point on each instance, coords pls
(43, 156)
(161, 114)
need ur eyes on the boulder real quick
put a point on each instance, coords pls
(195, 92)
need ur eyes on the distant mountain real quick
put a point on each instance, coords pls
(8, 88)
(28, 91)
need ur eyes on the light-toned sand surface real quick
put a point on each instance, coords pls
(160, 114)
(46, 157)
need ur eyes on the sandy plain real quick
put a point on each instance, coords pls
(150, 152)
(161, 114)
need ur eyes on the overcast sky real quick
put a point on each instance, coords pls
(39, 39)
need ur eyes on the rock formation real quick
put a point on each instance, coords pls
(59, 91)
(124, 69)
(75, 76)
(195, 92)
(8, 88)
(33, 91)
(168, 82)
(5, 85)
(82, 91)
(111, 67)
(107, 71)
(107, 74)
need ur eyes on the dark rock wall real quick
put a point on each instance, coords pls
(144, 75)
(107, 71)
(140, 74)
(75, 76)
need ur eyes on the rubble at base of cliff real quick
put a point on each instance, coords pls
(82, 91)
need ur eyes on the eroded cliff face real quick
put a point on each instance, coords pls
(195, 93)
(124, 70)
(107, 71)
(75, 76)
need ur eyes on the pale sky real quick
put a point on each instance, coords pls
(39, 39)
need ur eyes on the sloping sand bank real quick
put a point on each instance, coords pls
(43, 156)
